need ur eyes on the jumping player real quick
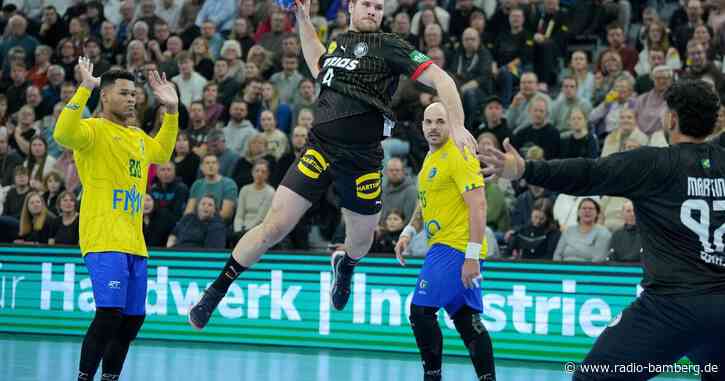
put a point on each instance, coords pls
(452, 203)
(678, 194)
(113, 160)
(358, 73)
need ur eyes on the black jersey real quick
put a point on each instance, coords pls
(359, 73)
(678, 194)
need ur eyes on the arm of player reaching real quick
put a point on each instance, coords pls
(70, 131)
(312, 48)
(621, 174)
(413, 227)
(162, 146)
(447, 90)
(476, 202)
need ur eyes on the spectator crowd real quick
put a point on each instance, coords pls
(560, 79)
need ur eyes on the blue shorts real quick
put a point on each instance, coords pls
(440, 285)
(119, 281)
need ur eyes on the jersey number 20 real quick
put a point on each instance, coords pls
(327, 79)
(702, 227)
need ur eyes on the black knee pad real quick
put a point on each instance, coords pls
(469, 325)
(130, 327)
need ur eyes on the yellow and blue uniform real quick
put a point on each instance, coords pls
(447, 174)
(112, 162)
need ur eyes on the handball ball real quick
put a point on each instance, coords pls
(286, 4)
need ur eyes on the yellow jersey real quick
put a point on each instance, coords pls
(445, 176)
(112, 162)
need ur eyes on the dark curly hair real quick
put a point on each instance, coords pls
(696, 104)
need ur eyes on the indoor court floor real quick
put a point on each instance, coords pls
(37, 358)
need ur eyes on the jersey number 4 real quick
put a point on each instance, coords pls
(702, 227)
(327, 79)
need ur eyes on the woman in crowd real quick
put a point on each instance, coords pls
(539, 238)
(255, 149)
(254, 201)
(35, 220)
(187, 162)
(39, 163)
(157, 223)
(65, 229)
(587, 241)
(53, 186)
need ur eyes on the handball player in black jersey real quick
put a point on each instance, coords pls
(358, 74)
(678, 194)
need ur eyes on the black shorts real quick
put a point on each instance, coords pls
(354, 169)
(655, 331)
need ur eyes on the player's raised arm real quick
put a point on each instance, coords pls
(162, 146)
(70, 132)
(437, 78)
(312, 48)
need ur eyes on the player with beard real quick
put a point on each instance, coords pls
(358, 74)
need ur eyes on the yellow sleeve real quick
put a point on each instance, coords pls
(466, 171)
(162, 146)
(70, 131)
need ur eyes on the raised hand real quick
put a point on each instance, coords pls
(164, 91)
(509, 165)
(302, 9)
(463, 138)
(85, 66)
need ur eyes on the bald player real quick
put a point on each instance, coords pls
(452, 203)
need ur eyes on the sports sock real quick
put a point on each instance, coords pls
(229, 274)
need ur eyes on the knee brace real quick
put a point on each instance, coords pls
(475, 337)
(429, 339)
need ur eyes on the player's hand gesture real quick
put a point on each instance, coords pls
(85, 66)
(509, 165)
(302, 9)
(400, 248)
(471, 273)
(164, 91)
(463, 138)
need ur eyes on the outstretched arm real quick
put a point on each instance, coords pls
(621, 174)
(162, 145)
(434, 76)
(312, 48)
(70, 132)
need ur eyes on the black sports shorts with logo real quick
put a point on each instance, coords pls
(353, 168)
(655, 331)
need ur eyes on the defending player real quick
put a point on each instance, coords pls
(678, 194)
(453, 207)
(358, 74)
(113, 160)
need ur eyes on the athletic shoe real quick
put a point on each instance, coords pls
(200, 313)
(342, 277)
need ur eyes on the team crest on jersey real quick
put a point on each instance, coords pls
(705, 163)
(332, 47)
(361, 50)
(432, 173)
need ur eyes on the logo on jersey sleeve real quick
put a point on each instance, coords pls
(130, 201)
(332, 47)
(432, 173)
(312, 164)
(367, 187)
(418, 57)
